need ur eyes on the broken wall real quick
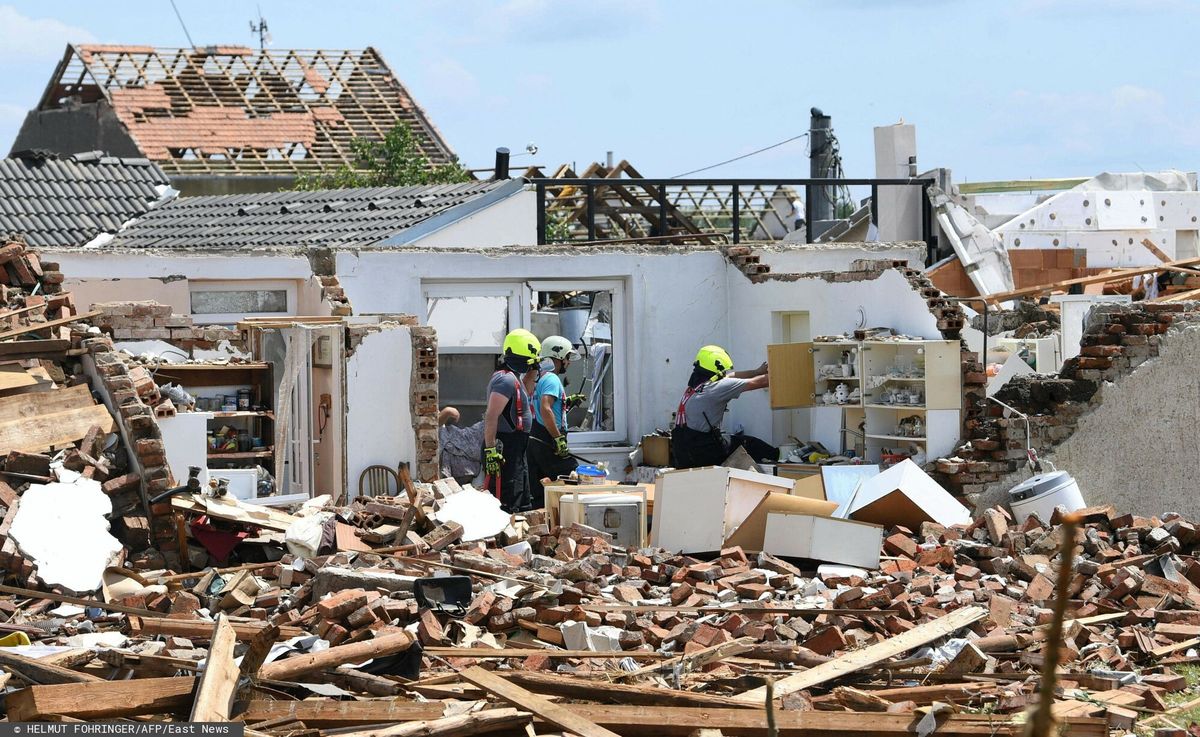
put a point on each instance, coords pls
(379, 411)
(1121, 417)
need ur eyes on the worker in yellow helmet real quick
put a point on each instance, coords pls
(696, 439)
(508, 420)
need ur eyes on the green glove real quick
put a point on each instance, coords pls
(492, 461)
(574, 400)
(560, 446)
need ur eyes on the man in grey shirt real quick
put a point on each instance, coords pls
(696, 439)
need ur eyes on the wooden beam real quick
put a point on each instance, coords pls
(668, 721)
(588, 689)
(1018, 185)
(35, 327)
(78, 601)
(488, 653)
(322, 713)
(101, 700)
(36, 672)
(851, 662)
(695, 659)
(196, 629)
(355, 652)
(46, 347)
(1085, 280)
(461, 725)
(218, 684)
(561, 717)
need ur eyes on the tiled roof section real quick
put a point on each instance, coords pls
(232, 109)
(68, 201)
(328, 218)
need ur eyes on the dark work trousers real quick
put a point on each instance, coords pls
(693, 449)
(514, 472)
(544, 463)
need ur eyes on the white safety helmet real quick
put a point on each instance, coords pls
(558, 347)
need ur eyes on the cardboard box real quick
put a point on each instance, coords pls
(656, 450)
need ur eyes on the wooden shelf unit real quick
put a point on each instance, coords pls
(801, 374)
(226, 378)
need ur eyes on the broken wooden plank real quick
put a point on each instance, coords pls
(101, 699)
(1085, 280)
(218, 684)
(561, 717)
(321, 713)
(488, 653)
(920, 635)
(674, 721)
(39, 326)
(34, 671)
(355, 652)
(200, 630)
(593, 690)
(79, 601)
(461, 725)
(41, 403)
(697, 659)
(42, 432)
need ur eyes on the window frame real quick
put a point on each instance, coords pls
(621, 353)
(241, 285)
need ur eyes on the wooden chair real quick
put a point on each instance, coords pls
(378, 481)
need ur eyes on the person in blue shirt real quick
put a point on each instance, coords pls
(548, 455)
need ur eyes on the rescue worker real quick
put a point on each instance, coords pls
(696, 439)
(507, 422)
(548, 453)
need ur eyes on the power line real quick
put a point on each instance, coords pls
(743, 156)
(185, 30)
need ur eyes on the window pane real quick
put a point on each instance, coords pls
(239, 302)
(584, 318)
(469, 321)
(462, 383)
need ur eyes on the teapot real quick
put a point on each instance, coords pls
(841, 392)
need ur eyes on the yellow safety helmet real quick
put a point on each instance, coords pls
(714, 358)
(522, 344)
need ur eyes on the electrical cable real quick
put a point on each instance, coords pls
(184, 25)
(743, 156)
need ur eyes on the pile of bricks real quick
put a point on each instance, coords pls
(424, 393)
(748, 262)
(129, 321)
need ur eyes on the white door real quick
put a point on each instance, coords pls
(298, 474)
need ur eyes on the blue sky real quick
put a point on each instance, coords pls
(998, 90)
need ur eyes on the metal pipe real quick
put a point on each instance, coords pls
(737, 216)
(591, 211)
(541, 213)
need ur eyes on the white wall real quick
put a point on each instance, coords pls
(379, 422)
(807, 258)
(680, 299)
(511, 221)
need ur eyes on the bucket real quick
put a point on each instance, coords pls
(1042, 493)
(572, 321)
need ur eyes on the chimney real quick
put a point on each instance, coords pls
(501, 171)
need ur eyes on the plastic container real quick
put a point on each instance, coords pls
(243, 400)
(588, 474)
(1042, 493)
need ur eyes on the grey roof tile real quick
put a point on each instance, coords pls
(66, 202)
(337, 217)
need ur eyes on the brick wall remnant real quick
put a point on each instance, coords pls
(1117, 340)
(150, 320)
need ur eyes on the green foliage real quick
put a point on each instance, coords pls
(396, 161)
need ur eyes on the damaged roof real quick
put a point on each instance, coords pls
(328, 218)
(67, 201)
(234, 109)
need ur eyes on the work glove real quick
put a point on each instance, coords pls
(560, 446)
(574, 400)
(492, 461)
